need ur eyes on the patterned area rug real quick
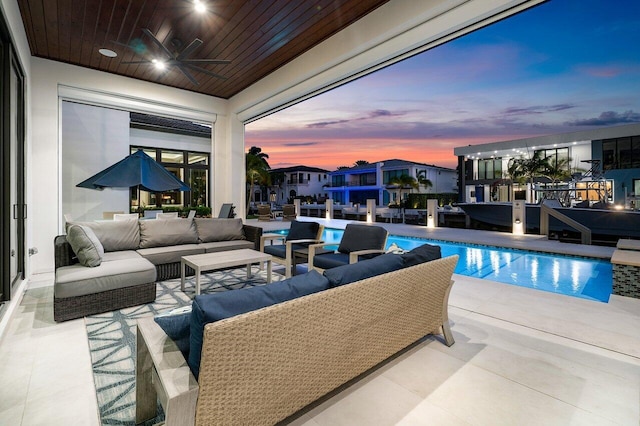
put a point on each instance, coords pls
(112, 339)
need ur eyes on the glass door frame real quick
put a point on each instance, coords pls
(13, 208)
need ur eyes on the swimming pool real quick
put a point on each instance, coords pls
(586, 278)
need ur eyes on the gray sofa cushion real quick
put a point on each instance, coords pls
(210, 230)
(217, 246)
(120, 255)
(161, 233)
(170, 254)
(85, 245)
(115, 235)
(77, 280)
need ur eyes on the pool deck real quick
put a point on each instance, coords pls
(471, 236)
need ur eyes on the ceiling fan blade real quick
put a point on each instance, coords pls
(190, 48)
(202, 70)
(206, 61)
(158, 43)
(188, 75)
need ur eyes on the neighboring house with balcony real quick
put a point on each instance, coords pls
(603, 165)
(369, 181)
(297, 181)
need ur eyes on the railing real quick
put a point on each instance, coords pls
(340, 185)
(546, 211)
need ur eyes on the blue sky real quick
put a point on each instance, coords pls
(563, 66)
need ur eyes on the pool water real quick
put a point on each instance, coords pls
(587, 278)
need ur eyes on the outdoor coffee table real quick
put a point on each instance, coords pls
(223, 259)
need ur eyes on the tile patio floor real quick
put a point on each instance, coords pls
(521, 356)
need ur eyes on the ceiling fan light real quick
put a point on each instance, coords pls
(160, 65)
(199, 6)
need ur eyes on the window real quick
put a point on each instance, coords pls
(337, 180)
(190, 167)
(367, 179)
(388, 175)
(490, 169)
(621, 153)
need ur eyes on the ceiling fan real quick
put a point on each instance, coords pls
(179, 59)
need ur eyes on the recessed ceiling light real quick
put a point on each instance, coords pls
(199, 6)
(108, 53)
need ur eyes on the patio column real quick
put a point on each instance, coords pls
(328, 209)
(432, 213)
(371, 211)
(296, 203)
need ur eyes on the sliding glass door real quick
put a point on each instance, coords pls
(12, 165)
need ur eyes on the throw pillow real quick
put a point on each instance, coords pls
(215, 307)
(162, 233)
(85, 245)
(421, 254)
(217, 229)
(368, 268)
(115, 235)
(177, 325)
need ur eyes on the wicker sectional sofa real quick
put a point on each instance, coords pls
(135, 255)
(262, 366)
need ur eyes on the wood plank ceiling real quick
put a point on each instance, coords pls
(257, 36)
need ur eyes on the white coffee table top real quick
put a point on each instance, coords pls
(223, 259)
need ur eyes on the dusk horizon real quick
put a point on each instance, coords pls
(507, 81)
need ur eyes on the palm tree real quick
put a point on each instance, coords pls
(522, 169)
(401, 183)
(257, 169)
(361, 163)
(422, 179)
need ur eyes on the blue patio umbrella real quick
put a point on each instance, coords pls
(136, 170)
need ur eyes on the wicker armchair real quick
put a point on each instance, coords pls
(288, 212)
(264, 212)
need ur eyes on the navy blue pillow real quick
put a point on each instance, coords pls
(421, 254)
(364, 269)
(178, 328)
(214, 307)
(303, 231)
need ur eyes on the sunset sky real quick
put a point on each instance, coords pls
(564, 66)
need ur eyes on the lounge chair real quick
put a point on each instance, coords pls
(301, 234)
(264, 212)
(126, 216)
(226, 211)
(109, 215)
(364, 241)
(165, 216)
(151, 214)
(288, 212)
